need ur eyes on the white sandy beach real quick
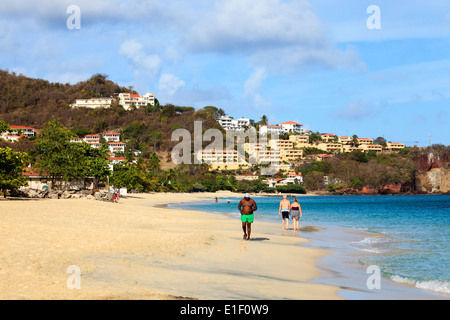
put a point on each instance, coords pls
(137, 250)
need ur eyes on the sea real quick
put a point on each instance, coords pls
(403, 239)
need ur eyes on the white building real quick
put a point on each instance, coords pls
(293, 127)
(92, 103)
(112, 137)
(285, 127)
(127, 100)
(270, 129)
(241, 124)
(17, 132)
(92, 138)
(293, 177)
(117, 147)
(76, 140)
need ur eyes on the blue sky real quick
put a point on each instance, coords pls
(311, 61)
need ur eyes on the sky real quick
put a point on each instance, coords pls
(335, 66)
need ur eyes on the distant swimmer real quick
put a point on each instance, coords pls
(247, 206)
(283, 211)
(296, 214)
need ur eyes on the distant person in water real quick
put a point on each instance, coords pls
(283, 211)
(247, 206)
(296, 214)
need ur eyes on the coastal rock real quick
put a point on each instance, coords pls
(367, 191)
(393, 188)
(436, 180)
(66, 195)
(103, 196)
(98, 195)
(108, 197)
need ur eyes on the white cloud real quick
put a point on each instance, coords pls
(282, 36)
(254, 82)
(170, 84)
(143, 64)
(240, 25)
(253, 85)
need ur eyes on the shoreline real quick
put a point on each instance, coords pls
(341, 266)
(137, 250)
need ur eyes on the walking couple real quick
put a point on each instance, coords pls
(293, 209)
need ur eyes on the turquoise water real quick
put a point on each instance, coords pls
(406, 236)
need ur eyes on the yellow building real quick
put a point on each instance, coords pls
(371, 147)
(281, 144)
(350, 148)
(330, 147)
(395, 146)
(291, 154)
(364, 141)
(220, 157)
(299, 139)
(345, 139)
(327, 137)
(269, 156)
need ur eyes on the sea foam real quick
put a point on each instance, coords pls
(432, 285)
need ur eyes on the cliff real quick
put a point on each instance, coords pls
(436, 180)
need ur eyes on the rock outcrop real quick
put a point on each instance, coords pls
(436, 180)
(100, 195)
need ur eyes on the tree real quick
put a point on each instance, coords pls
(153, 162)
(80, 131)
(221, 112)
(57, 156)
(380, 141)
(4, 126)
(355, 141)
(155, 138)
(97, 164)
(11, 168)
(315, 138)
(264, 121)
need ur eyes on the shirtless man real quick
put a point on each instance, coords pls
(285, 207)
(246, 207)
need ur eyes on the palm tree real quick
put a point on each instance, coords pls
(355, 141)
(315, 138)
(153, 162)
(264, 120)
(220, 112)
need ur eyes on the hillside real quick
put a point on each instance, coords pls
(32, 102)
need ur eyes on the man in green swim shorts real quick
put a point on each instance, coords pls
(246, 207)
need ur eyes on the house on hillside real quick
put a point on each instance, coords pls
(127, 100)
(93, 103)
(115, 147)
(112, 137)
(229, 123)
(292, 127)
(17, 132)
